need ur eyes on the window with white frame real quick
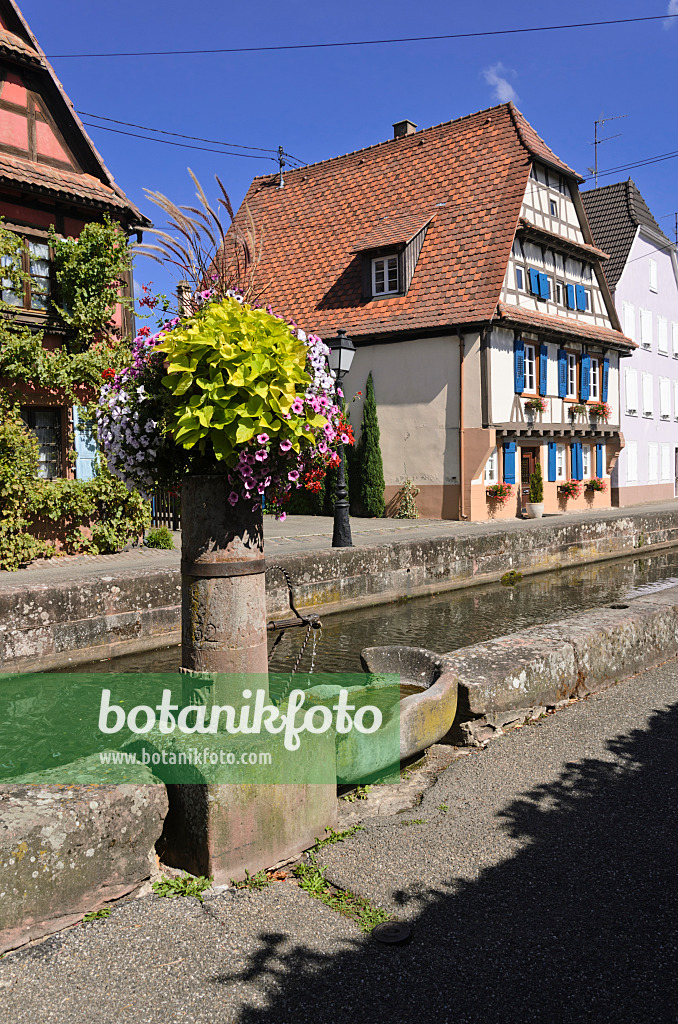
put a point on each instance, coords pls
(631, 392)
(385, 277)
(629, 318)
(662, 335)
(594, 380)
(586, 460)
(664, 398)
(561, 462)
(631, 452)
(674, 340)
(520, 279)
(653, 275)
(646, 328)
(666, 462)
(648, 395)
(492, 468)
(553, 206)
(530, 369)
(559, 293)
(571, 375)
(652, 462)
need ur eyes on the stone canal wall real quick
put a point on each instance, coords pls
(113, 611)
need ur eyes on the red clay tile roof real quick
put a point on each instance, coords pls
(471, 173)
(582, 249)
(13, 44)
(560, 325)
(65, 184)
(392, 231)
(535, 145)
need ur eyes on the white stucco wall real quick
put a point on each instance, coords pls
(416, 387)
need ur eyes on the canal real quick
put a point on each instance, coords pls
(447, 621)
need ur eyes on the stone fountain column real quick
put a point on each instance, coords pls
(223, 829)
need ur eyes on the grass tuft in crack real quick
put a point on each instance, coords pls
(254, 882)
(186, 885)
(336, 836)
(312, 880)
(97, 915)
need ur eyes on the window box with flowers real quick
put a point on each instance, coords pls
(570, 488)
(502, 492)
(596, 484)
(536, 404)
(578, 409)
(601, 410)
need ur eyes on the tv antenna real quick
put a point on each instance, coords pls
(596, 142)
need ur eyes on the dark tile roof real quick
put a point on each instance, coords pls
(471, 173)
(562, 326)
(614, 213)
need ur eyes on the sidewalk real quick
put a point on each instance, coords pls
(309, 534)
(537, 875)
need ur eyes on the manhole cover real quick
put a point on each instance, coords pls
(392, 933)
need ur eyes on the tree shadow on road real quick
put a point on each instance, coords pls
(580, 925)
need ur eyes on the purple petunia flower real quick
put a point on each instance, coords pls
(262, 438)
(285, 446)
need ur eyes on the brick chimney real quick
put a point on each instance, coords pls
(401, 128)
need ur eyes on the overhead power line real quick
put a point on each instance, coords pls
(179, 135)
(183, 145)
(369, 42)
(637, 163)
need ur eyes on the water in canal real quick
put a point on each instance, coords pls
(450, 620)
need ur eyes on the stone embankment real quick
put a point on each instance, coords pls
(53, 618)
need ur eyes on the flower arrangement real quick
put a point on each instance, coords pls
(537, 404)
(500, 491)
(601, 409)
(230, 388)
(596, 484)
(571, 488)
(578, 409)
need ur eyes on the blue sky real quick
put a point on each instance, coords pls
(322, 103)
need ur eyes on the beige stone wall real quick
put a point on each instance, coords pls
(622, 496)
(416, 386)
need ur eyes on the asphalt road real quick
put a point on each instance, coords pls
(545, 892)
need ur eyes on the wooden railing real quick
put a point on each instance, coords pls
(166, 510)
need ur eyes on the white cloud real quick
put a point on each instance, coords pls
(671, 9)
(496, 77)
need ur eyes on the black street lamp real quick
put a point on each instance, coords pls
(341, 355)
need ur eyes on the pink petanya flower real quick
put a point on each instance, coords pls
(293, 475)
(261, 455)
(340, 393)
(297, 406)
(233, 498)
(344, 438)
(262, 438)
(322, 447)
(285, 446)
(282, 517)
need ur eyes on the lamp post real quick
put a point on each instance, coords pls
(341, 355)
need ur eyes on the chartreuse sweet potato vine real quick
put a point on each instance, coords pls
(237, 373)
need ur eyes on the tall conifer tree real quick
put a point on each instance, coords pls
(371, 465)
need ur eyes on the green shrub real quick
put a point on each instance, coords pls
(18, 491)
(160, 538)
(536, 486)
(371, 465)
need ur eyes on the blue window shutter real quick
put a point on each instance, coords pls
(519, 365)
(510, 462)
(606, 374)
(562, 373)
(543, 364)
(581, 298)
(577, 468)
(544, 287)
(599, 460)
(85, 448)
(569, 291)
(534, 281)
(552, 460)
(585, 384)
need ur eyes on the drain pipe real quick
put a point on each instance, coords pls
(462, 514)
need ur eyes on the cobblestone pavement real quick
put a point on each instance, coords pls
(299, 534)
(538, 876)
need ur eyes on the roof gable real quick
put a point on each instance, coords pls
(470, 173)
(43, 143)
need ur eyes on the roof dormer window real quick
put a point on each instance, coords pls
(385, 275)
